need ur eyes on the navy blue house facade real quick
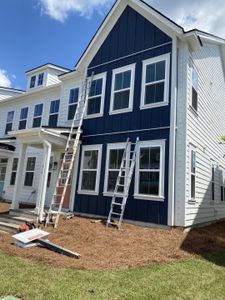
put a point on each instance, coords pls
(134, 50)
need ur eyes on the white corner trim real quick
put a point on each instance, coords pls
(166, 58)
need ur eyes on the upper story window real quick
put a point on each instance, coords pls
(9, 122)
(96, 96)
(40, 79)
(73, 100)
(122, 89)
(23, 118)
(32, 82)
(194, 93)
(38, 111)
(53, 114)
(155, 81)
(149, 181)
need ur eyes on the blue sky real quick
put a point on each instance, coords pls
(34, 32)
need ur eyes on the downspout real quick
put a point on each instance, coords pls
(172, 146)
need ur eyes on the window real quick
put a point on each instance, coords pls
(50, 169)
(149, 181)
(29, 175)
(32, 82)
(96, 96)
(113, 162)
(73, 100)
(9, 122)
(14, 171)
(155, 82)
(40, 79)
(193, 174)
(38, 110)
(222, 188)
(194, 98)
(90, 169)
(53, 114)
(122, 89)
(23, 118)
(213, 182)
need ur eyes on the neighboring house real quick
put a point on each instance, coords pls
(152, 80)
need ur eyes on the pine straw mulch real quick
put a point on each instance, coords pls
(104, 248)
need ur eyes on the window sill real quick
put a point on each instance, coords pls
(192, 201)
(193, 111)
(93, 116)
(159, 104)
(149, 198)
(121, 111)
(88, 193)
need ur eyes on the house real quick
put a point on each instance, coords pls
(152, 80)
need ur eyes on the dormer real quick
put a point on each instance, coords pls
(43, 76)
(6, 92)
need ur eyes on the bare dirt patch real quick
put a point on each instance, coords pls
(107, 248)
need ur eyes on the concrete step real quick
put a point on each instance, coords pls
(9, 227)
(16, 219)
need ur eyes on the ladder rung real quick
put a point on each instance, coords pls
(117, 204)
(115, 214)
(120, 185)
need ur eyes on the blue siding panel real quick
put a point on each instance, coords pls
(132, 33)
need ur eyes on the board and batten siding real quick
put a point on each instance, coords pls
(204, 131)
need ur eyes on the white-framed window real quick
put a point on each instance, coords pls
(222, 187)
(113, 162)
(194, 89)
(54, 113)
(23, 118)
(40, 79)
(155, 81)
(9, 122)
(90, 169)
(14, 171)
(150, 166)
(213, 181)
(192, 173)
(29, 174)
(73, 101)
(32, 82)
(95, 105)
(122, 89)
(38, 111)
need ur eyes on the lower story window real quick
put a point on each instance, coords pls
(90, 169)
(150, 170)
(193, 174)
(222, 188)
(14, 171)
(29, 175)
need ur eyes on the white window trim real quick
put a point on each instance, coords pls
(131, 98)
(213, 166)
(148, 144)
(91, 148)
(38, 116)
(55, 113)
(110, 147)
(26, 119)
(191, 98)
(26, 186)
(100, 114)
(11, 122)
(166, 58)
(192, 148)
(13, 171)
(76, 86)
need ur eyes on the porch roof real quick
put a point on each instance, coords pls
(7, 147)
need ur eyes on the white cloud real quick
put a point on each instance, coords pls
(5, 79)
(60, 9)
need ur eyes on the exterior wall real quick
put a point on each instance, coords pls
(204, 131)
(52, 77)
(131, 35)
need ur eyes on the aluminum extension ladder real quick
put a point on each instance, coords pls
(123, 182)
(64, 177)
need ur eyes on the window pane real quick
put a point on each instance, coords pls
(160, 70)
(115, 158)
(74, 95)
(96, 88)
(22, 124)
(31, 163)
(94, 106)
(38, 110)
(8, 128)
(213, 191)
(37, 122)
(150, 73)
(53, 120)
(29, 179)
(193, 186)
(10, 116)
(122, 80)
(54, 106)
(150, 158)
(71, 111)
(13, 178)
(195, 79)
(32, 81)
(89, 180)
(121, 100)
(90, 160)
(193, 161)
(213, 173)
(145, 158)
(221, 193)
(112, 178)
(23, 113)
(154, 93)
(149, 183)
(194, 99)
(40, 78)
(15, 164)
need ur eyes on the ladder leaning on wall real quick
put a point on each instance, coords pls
(72, 145)
(123, 183)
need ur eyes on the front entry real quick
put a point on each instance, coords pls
(3, 167)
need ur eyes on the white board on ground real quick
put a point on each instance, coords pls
(31, 235)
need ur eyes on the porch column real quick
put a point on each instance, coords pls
(19, 176)
(43, 181)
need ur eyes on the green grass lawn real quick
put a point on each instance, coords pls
(194, 279)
